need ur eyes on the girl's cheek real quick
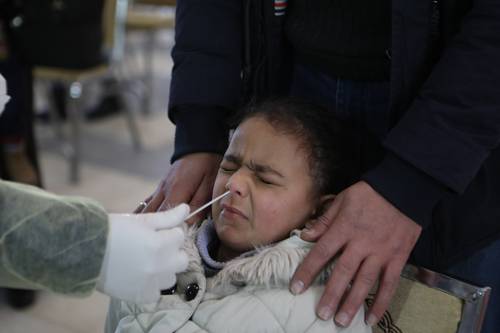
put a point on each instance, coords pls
(267, 207)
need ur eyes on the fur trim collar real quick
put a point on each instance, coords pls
(270, 266)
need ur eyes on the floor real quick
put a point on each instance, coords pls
(112, 173)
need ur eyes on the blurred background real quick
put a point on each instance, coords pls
(89, 84)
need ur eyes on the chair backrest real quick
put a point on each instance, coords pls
(426, 301)
(156, 2)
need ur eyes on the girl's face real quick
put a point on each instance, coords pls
(271, 187)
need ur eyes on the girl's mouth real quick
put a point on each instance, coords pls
(232, 212)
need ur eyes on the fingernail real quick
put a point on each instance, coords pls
(372, 320)
(306, 230)
(308, 233)
(325, 313)
(297, 287)
(342, 319)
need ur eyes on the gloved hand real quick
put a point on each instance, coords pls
(141, 260)
(4, 98)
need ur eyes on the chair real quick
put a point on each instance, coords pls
(144, 17)
(114, 15)
(429, 302)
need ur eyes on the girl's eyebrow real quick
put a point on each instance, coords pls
(259, 168)
(232, 158)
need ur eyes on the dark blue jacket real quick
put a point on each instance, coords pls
(442, 161)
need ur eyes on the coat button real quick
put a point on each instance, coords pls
(191, 291)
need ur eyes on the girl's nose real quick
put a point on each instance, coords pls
(237, 185)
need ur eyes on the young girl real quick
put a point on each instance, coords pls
(284, 162)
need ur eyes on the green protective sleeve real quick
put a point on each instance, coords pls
(50, 242)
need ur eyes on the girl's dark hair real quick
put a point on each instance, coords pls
(328, 142)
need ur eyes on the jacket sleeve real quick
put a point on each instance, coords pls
(206, 78)
(452, 125)
(50, 242)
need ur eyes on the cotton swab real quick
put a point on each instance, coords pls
(206, 205)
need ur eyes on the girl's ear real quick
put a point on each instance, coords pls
(325, 201)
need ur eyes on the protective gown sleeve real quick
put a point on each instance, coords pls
(50, 242)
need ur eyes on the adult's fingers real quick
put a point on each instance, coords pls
(167, 219)
(189, 175)
(366, 226)
(176, 263)
(316, 228)
(343, 272)
(364, 280)
(155, 202)
(327, 246)
(319, 255)
(176, 187)
(180, 190)
(201, 197)
(387, 287)
(142, 205)
(172, 240)
(176, 194)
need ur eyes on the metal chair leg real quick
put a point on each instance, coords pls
(149, 71)
(124, 88)
(76, 118)
(55, 118)
(132, 119)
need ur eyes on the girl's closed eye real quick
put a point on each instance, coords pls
(228, 168)
(265, 180)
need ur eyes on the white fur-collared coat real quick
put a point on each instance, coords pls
(250, 294)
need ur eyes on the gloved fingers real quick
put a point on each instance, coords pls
(180, 262)
(171, 239)
(167, 219)
(177, 263)
(167, 282)
(150, 292)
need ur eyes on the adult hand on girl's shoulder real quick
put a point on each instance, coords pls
(189, 180)
(373, 240)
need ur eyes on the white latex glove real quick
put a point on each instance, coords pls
(4, 98)
(140, 260)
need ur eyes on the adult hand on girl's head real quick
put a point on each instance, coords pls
(375, 240)
(190, 179)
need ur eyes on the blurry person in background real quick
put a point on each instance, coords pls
(16, 125)
(18, 154)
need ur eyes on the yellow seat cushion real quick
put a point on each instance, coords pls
(148, 20)
(69, 75)
(419, 308)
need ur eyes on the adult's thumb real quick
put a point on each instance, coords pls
(315, 229)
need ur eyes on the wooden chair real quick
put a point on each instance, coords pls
(429, 302)
(74, 80)
(144, 16)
